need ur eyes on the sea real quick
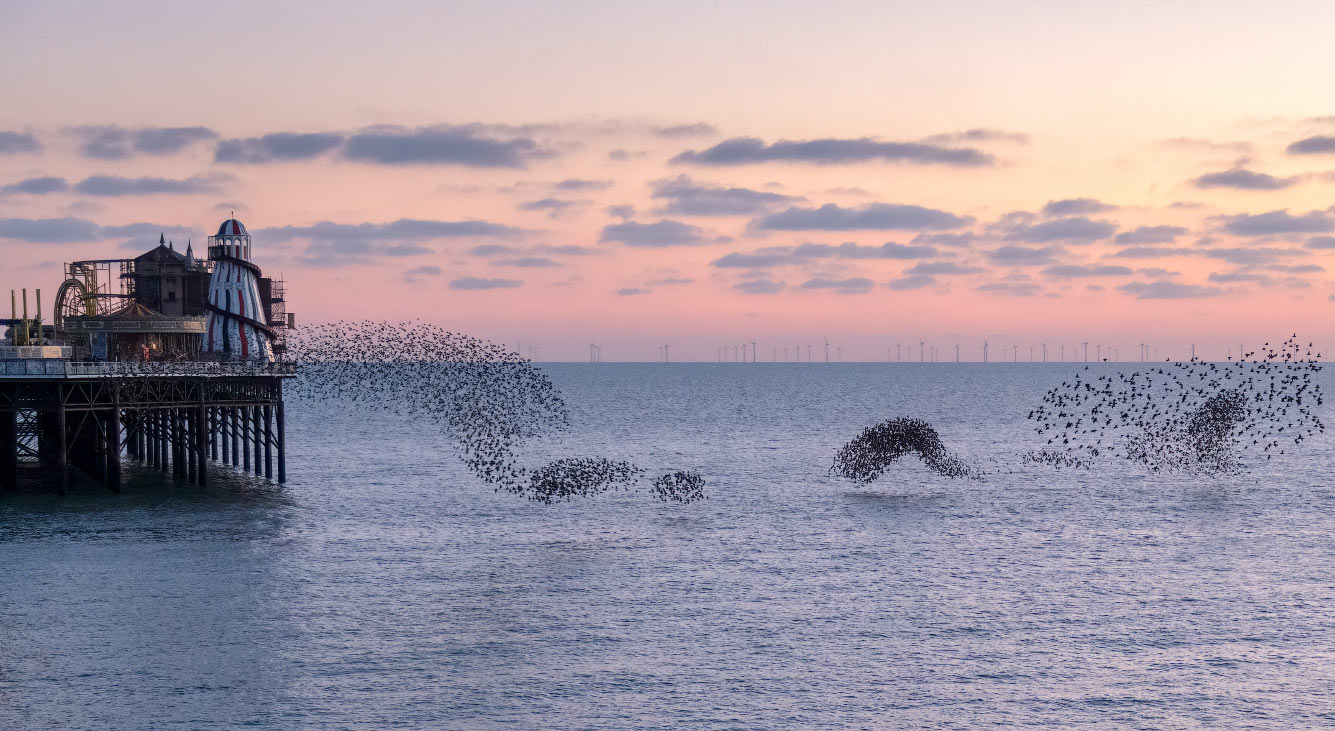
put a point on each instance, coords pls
(384, 586)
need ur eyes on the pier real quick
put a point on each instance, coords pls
(164, 360)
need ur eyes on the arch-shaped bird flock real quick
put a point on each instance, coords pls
(489, 400)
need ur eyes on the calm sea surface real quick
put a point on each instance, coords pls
(385, 586)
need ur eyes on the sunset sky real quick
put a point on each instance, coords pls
(701, 174)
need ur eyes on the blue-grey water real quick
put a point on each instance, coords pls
(384, 586)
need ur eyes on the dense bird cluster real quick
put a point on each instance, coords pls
(867, 456)
(680, 486)
(489, 400)
(572, 476)
(1185, 416)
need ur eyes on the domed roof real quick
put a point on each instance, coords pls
(231, 227)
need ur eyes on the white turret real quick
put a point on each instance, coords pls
(236, 326)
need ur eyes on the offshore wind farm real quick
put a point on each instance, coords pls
(704, 365)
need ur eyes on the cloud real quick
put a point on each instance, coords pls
(629, 291)
(276, 147)
(852, 285)
(1151, 252)
(555, 207)
(1237, 277)
(1157, 272)
(688, 198)
(1076, 230)
(424, 271)
(1011, 289)
(1195, 143)
(940, 267)
(115, 185)
(404, 228)
(1243, 179)
(493, 250)
(1067, 271)
(474, 283)
(1162, 289)
(1320, 242)
(440, 146)
(70, 230)
(578, 184)
(37, 186)
(566, 250)
(12, 143)
(1243, 255)
(888, 250)
(49, 230)
(829, 151)
(671, 281)
(870, 217)
(978, 134)
(698, 129)
(110, 142)
(1022, 255)
(528, 262)
(1318, 145)
(652, 235)
(959, 240)
(780, 255)
(758, 286)
(343, 252)
(755, 260)
(620, 155)
(1278, 222)
(1150, 235)
(1075, 207)
(911, 282)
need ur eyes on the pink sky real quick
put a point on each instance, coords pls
(701, 174)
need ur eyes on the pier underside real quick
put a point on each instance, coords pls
(176, 424)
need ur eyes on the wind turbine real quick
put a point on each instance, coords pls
(920, 344)
(827, 350)
(1045, 351)
(1086, 344)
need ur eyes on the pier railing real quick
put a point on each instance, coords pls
(47, 368)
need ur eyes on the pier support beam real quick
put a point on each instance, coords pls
(62, 450)
(236, 437)
(245, 439)
(256, 435)
(202, 443)
(282, 445)
(113, 449)
(9, 450)
(189, 443)
(268, 442)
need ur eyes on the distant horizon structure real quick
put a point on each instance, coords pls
(1045, 351)
(235, 319)
(984, 351)
(1086, 344)
(957, 352)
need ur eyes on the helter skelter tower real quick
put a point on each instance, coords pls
(235, 327)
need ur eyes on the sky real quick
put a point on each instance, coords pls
(702, 175)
